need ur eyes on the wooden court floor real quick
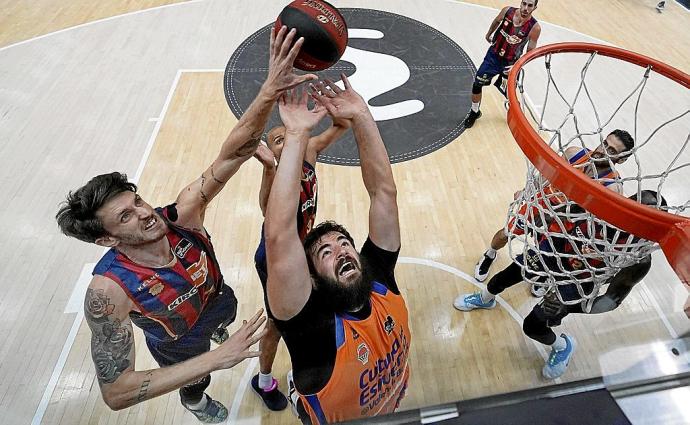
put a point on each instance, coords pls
(68, 113)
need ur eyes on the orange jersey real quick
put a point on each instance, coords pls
(371, 368)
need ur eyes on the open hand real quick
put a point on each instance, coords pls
(237, 347)
(295, 113)
(281, 75)
(340, 104)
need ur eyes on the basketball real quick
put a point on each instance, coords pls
(324, 31)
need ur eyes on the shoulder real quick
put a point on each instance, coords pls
(104, 293)
(573, 153)
(315, 311)
(105, 263)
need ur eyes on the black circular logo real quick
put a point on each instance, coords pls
(414, 78)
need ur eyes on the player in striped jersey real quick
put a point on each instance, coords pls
(509, 33)
(161, 271)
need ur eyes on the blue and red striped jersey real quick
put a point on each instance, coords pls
(169, 299)
(509, 40)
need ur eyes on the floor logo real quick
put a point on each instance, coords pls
(414, 78)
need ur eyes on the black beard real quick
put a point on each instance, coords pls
(346, 298)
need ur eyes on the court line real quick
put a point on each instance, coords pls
(459, 273)
(241, 389)
(662, 316)
(136, 12)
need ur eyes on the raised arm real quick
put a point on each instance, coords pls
(495, 23)
(244, 138)
(384, 227)
(267, 159)
(318, 143)
(106, 310)
(289, 281)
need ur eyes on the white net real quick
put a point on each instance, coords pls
(584, 98)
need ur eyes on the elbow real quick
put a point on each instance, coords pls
(389, 191)
(114, 400)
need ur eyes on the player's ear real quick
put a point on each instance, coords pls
(107, 241)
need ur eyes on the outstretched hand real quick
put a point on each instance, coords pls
(281, 74)
(340, 104)
(237, 347)
(295, 113)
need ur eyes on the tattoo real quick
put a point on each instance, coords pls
(111, 341)
(214, 177)
(250, 145)
(204, 198)
(143, 389)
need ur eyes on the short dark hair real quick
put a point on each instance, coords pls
(77, 215)
(317, 232)
(627, 140)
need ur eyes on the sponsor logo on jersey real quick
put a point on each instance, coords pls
(156, 289)
(389, 325)
(363, 353)
(182, 247)
(199, 270)
(182, 298)
(151, 281)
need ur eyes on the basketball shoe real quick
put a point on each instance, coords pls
(213, 413)
(481, 270)
(272, 397)
(558, 360)
(469, 302)
(471, 118)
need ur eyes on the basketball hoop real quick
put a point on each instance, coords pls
(605, 210)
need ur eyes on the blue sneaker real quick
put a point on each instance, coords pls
(469, 302)
(558, 360)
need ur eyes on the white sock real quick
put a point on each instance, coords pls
(559, 344)
(487, 296)
(265, 381)
(200, 405)
(491, 253)
(475, 107)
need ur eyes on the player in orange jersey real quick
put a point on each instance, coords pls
(339, 311)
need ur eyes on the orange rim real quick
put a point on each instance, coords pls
(671, 231)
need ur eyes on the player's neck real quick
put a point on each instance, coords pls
(518, 20)
(155, 254)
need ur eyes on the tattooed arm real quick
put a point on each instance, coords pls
(106, 309)
(244, 138)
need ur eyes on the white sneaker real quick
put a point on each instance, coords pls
(481, 270)
(293, 395)
(468, 302)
